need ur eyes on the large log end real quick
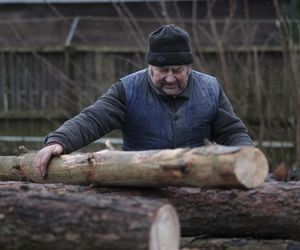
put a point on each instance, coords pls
(251, 167)
(165, 230)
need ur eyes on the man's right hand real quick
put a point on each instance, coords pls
(43, 157)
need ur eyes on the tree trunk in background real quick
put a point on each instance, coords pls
(36, 217)
(271, 211)
(211, 166)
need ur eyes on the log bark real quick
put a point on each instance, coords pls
(271, 211)
(211, 166)
(36, 217)
(238, 244)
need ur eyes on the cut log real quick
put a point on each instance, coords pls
(211, 166)
(238, 244)
(36, 218)
(271, 211)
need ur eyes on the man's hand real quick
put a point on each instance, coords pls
(43, 157)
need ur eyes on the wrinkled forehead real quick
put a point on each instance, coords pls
(171, 67)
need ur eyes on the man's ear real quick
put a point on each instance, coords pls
(189, 67)
(150, 67)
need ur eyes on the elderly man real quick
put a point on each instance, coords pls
(166, 106)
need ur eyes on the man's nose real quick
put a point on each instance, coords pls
(170, 77)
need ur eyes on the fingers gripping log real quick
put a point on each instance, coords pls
(210, 166)
(47, 220)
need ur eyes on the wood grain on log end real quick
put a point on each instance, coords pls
(251, 167)
(165, 230)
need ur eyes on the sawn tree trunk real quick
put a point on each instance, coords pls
(36, 217)
(211, 166)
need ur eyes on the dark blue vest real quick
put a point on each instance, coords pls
(152, 124)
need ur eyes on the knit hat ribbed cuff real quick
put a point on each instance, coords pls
(170, 58)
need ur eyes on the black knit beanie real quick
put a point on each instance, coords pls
(169, 45)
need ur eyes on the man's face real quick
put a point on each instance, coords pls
(171, 80)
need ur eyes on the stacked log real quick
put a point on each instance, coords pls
(36, 217)
(269, 212)
(238, 244)
(211, 166)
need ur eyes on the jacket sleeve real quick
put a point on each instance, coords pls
(106, 114)
(228, 128)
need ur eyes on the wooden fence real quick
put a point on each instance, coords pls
(62, 83)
